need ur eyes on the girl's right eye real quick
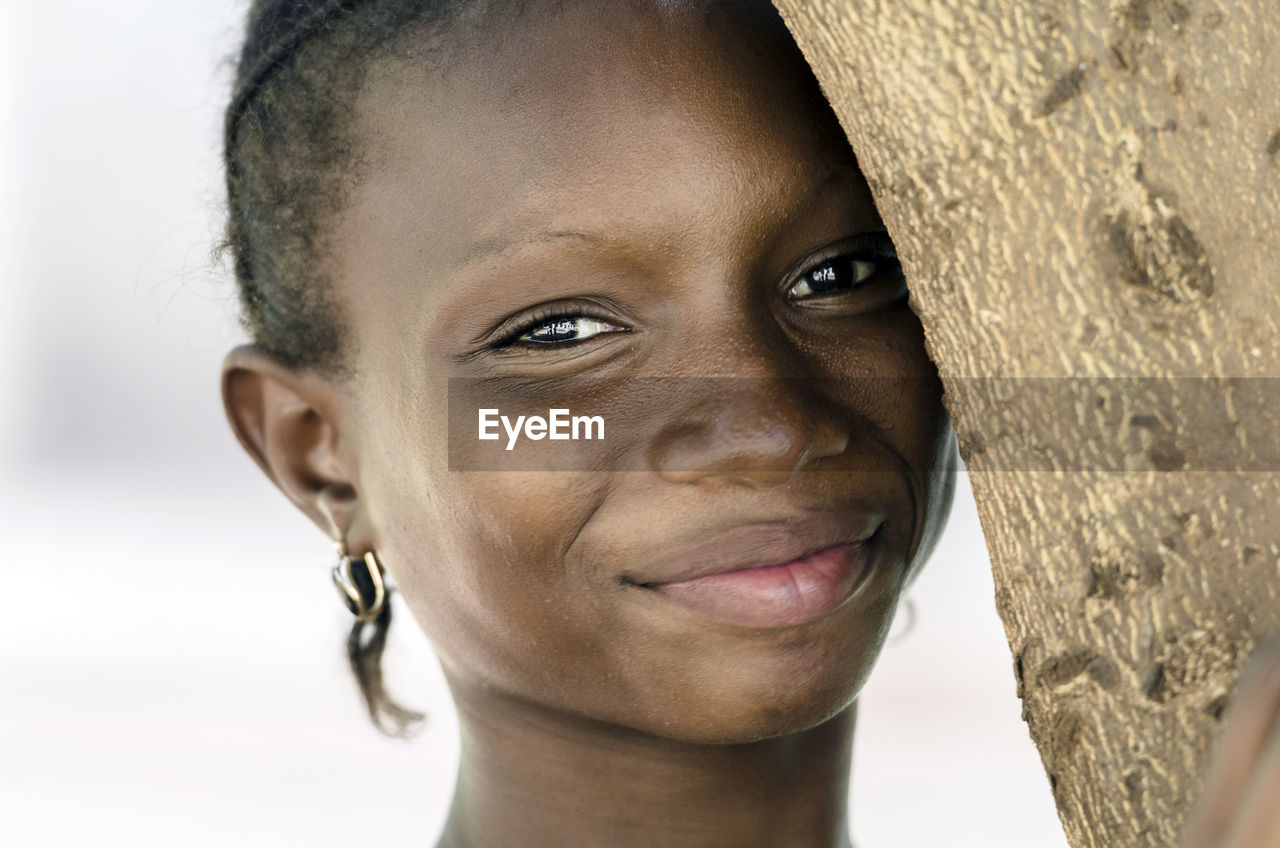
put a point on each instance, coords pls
(563, 329)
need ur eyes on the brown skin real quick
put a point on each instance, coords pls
(698, 157)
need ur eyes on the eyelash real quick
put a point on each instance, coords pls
(543, 315)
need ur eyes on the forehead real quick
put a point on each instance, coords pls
(625, 113)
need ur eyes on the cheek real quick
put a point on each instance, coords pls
(479, 561)
(921, 430)
(937, 479)
(880, 371)
(478, 555)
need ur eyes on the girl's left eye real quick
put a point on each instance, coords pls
(835, 274)
(867, 261)
(567, 328)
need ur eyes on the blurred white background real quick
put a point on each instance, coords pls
(172, 669)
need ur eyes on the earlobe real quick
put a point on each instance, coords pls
(284, 419)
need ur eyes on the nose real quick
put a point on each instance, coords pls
(750, 431)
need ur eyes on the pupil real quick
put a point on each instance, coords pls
(561, 329)
(824, 277)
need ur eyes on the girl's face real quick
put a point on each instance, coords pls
(643, 212)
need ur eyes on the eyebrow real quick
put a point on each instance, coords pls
(498, 245)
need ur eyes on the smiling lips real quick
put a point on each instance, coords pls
(776, 595)
(817, 581)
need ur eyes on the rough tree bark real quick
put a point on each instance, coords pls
(1089, 193)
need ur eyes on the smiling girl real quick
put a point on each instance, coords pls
(638, 210)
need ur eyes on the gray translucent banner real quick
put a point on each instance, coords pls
(1004, 424)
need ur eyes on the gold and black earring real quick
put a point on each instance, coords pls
(360, 583)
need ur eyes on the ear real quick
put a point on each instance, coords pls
(286, 419)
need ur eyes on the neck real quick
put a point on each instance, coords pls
(540, 778)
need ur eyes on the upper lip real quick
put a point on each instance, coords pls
(749, 544)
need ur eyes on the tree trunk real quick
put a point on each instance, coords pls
(1086, 199)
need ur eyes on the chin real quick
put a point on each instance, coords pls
(729, 709)
(746, 690)
(741, 724)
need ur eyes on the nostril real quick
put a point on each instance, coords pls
(830, 438)
(764, 479)
(674, 452)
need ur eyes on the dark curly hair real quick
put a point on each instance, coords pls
(292, 156)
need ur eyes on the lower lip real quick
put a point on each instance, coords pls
(777, 595)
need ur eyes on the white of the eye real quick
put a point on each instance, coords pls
(861, 270)
(587, 327)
